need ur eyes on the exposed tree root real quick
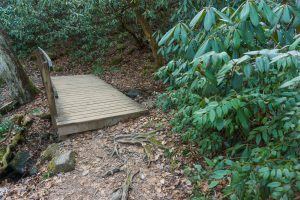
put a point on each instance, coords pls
(146, 140)
(122, 193)
(4, 161)
(112, 172)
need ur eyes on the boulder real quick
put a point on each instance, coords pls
(62, 163)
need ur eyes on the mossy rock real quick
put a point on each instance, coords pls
(62, 163)
(116, 61)
(51, 151)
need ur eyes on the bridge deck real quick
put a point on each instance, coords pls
(85, 102)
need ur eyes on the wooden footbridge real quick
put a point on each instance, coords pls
(83, 102)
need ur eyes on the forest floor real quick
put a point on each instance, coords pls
(159, 177)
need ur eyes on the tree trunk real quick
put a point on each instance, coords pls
(138, 41)
(159, 61)
(21, 87)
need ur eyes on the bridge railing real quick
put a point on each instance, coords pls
(45, 66)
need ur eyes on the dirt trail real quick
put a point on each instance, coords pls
(94, 158)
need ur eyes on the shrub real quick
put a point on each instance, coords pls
(234, 86)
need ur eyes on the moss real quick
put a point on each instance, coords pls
(49, 153)
(17, 138)
(33, 89)
(64, 162)
(51, 167)
(2, 152)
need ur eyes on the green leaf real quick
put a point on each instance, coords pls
(253, 15)
(260, 64)
(286, 17)
(236, 39)
(245, 12)
(213, 184)
(209, 162)
(237, 81)
(198, 19)
(242, 118)
(292, 82)
(210, 76)
(219, 174)
(223, 16)
(203, 48)
(212, 116)
(247, 70)
(209, 20)
(295, 44)
(274, 184)
(167, 37)
(258, 139)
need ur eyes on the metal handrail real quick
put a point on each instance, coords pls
(46, 58)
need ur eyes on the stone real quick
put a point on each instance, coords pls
(62, 163)
(85, 172)
(3, 191)
(51, 151)
(133, 93)
(19, 162)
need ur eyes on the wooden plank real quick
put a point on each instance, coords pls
(95, 115)
(97, 106)
(63, 114)
(82, 99)
(89, 93)
(61, 105)
(68, 129)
